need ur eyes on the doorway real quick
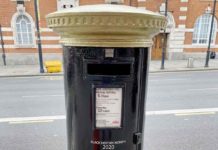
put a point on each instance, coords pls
(156, 53)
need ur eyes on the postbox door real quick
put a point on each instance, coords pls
(107, 97)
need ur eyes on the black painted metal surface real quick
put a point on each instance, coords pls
(87, 68)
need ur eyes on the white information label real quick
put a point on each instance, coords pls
(108, 107)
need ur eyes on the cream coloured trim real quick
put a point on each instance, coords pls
(182, 26)
(6, 29)
(184, 1)
(175, 50)
(8, 38)
(182, 17)
(57, 46)
(184, 29)
(52, 46)
(183, 8)
(46, 30)
(52, 38)
(178, 38)
(193, 46)
(8, 46)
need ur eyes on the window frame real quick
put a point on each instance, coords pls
(15, 32)
(29, 33)
(198, 32)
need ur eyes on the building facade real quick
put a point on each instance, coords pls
(187, 31)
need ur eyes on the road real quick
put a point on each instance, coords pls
(182, 112)
(186, 106)
(32, 97)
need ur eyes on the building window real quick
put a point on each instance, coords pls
(23, 28)
(202, 30)
(24, 31)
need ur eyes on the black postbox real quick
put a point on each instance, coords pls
(106, 57)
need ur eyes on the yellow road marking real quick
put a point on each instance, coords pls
(31, 121)
(195, 113)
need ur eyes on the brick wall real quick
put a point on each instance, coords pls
(6, 12)
(197, 8)
(184, 22)
(49, 38)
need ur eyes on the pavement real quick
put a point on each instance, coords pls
(170, 66)
(24, 70)
(182, 65)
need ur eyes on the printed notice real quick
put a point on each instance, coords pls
(108, 107)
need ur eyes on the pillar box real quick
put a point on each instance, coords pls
(106, 57)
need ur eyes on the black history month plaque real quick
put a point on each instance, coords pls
(108, 107)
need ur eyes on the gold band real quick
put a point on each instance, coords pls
(106, 26)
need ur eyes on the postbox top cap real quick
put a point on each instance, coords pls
(106, 25)
(104, 8)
